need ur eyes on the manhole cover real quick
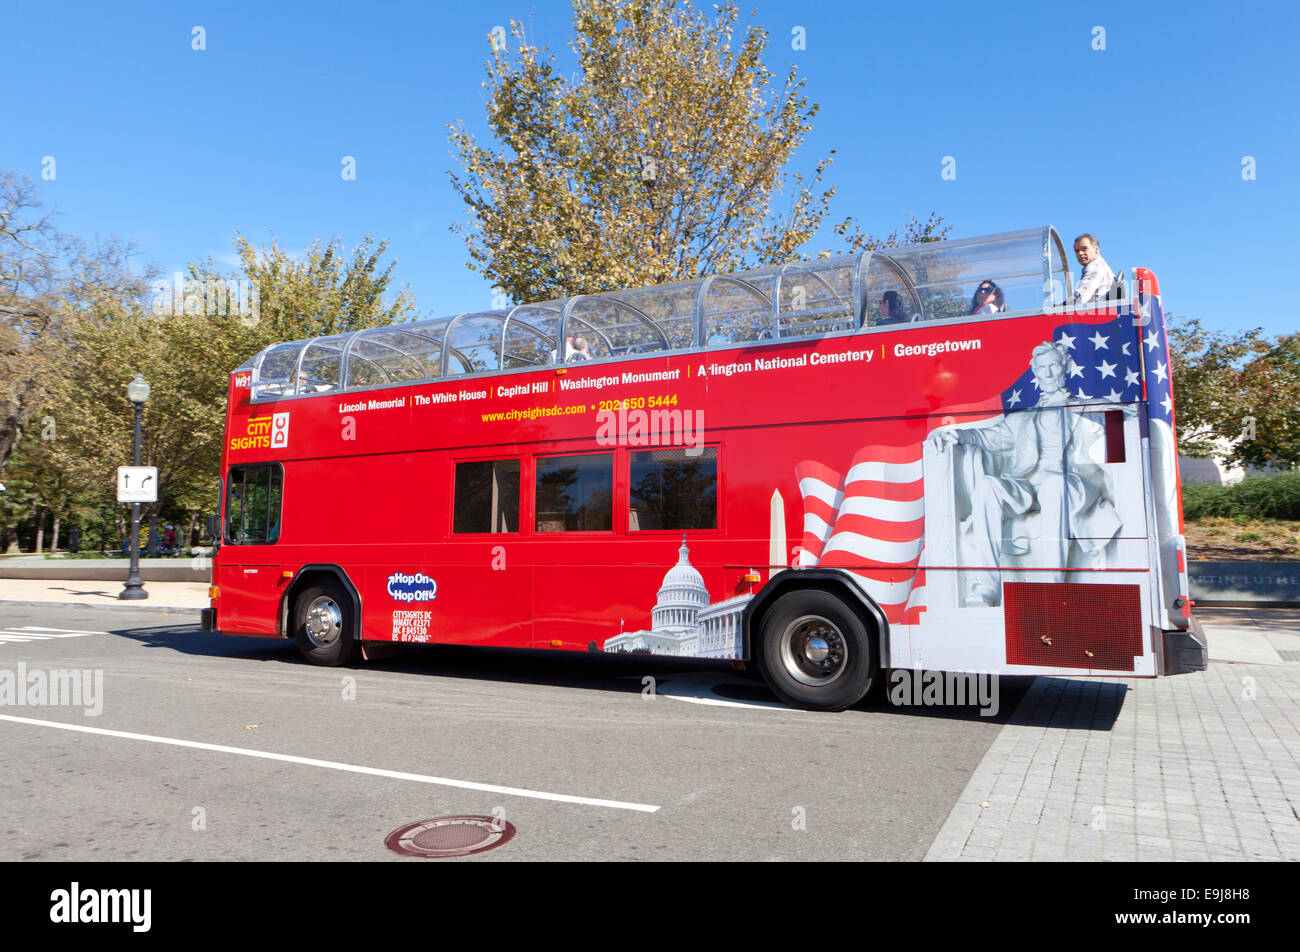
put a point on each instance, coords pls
(447, 836)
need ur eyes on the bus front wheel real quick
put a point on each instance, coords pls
(815, 652)
(323, 625)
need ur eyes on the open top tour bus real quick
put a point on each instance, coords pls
(826, 469)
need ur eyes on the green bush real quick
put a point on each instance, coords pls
(1257, 497)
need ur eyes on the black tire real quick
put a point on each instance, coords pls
(324, 626)
(816, 652)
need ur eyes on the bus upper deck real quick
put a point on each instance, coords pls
(826, 296)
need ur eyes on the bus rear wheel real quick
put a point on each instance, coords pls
(815, 652)
(323, 625)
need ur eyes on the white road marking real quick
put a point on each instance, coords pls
(32, 633)
(699, 688)
(719, 702)
(335, 765)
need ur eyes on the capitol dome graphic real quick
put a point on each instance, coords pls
(682, 594)
(683, 621)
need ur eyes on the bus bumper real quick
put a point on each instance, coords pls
(208, 619)
(1185, 651)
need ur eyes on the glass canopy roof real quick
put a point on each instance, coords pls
(931, 281)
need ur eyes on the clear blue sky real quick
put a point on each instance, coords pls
(1142, 143)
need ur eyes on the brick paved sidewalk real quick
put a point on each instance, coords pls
(1202, 766)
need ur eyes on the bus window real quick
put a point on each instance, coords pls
(487, 496)
(321, 365)
(671, 307)
(526, 325)
(253, 497)
(392, 354)
(817, 298)
(475, 342)
(275, 374)
(738, 308)
(672, 490)
(575, 493)
(887, 293)
(613, 327)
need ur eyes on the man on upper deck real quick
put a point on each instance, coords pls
(1097, 278)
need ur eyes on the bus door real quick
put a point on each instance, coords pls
(479, 590)
(249, 574)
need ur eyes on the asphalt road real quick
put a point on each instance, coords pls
(582, 749)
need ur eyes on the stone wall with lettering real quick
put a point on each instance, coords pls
(1245, 581)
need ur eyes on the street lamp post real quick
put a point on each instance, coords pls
(137, 392)
(649, 177)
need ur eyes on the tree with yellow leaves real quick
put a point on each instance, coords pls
(663, 158)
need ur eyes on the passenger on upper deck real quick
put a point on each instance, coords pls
(891, 309)
(577, 348)
(300, 384)
(988, 299)
(1097, 278)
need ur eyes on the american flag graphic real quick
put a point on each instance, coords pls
(1155, 353)
(822, 490)
(1104, 364)
(1149, 324)
(870, 521)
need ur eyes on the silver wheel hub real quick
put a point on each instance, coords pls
(324, 621)
(813, 650)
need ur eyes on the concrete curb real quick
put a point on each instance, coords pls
(179, 571)
(132, 607)
(1240, 603)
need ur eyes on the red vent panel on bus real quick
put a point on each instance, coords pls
(1071, 625)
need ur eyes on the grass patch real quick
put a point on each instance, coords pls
(1258, 497)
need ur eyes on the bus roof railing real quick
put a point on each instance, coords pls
(929, 281)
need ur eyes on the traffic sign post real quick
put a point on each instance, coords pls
(136, 484)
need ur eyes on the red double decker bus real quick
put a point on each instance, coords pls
(825, 469)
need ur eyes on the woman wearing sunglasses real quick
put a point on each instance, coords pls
(988, 299)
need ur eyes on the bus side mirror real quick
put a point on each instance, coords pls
(214, 527)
